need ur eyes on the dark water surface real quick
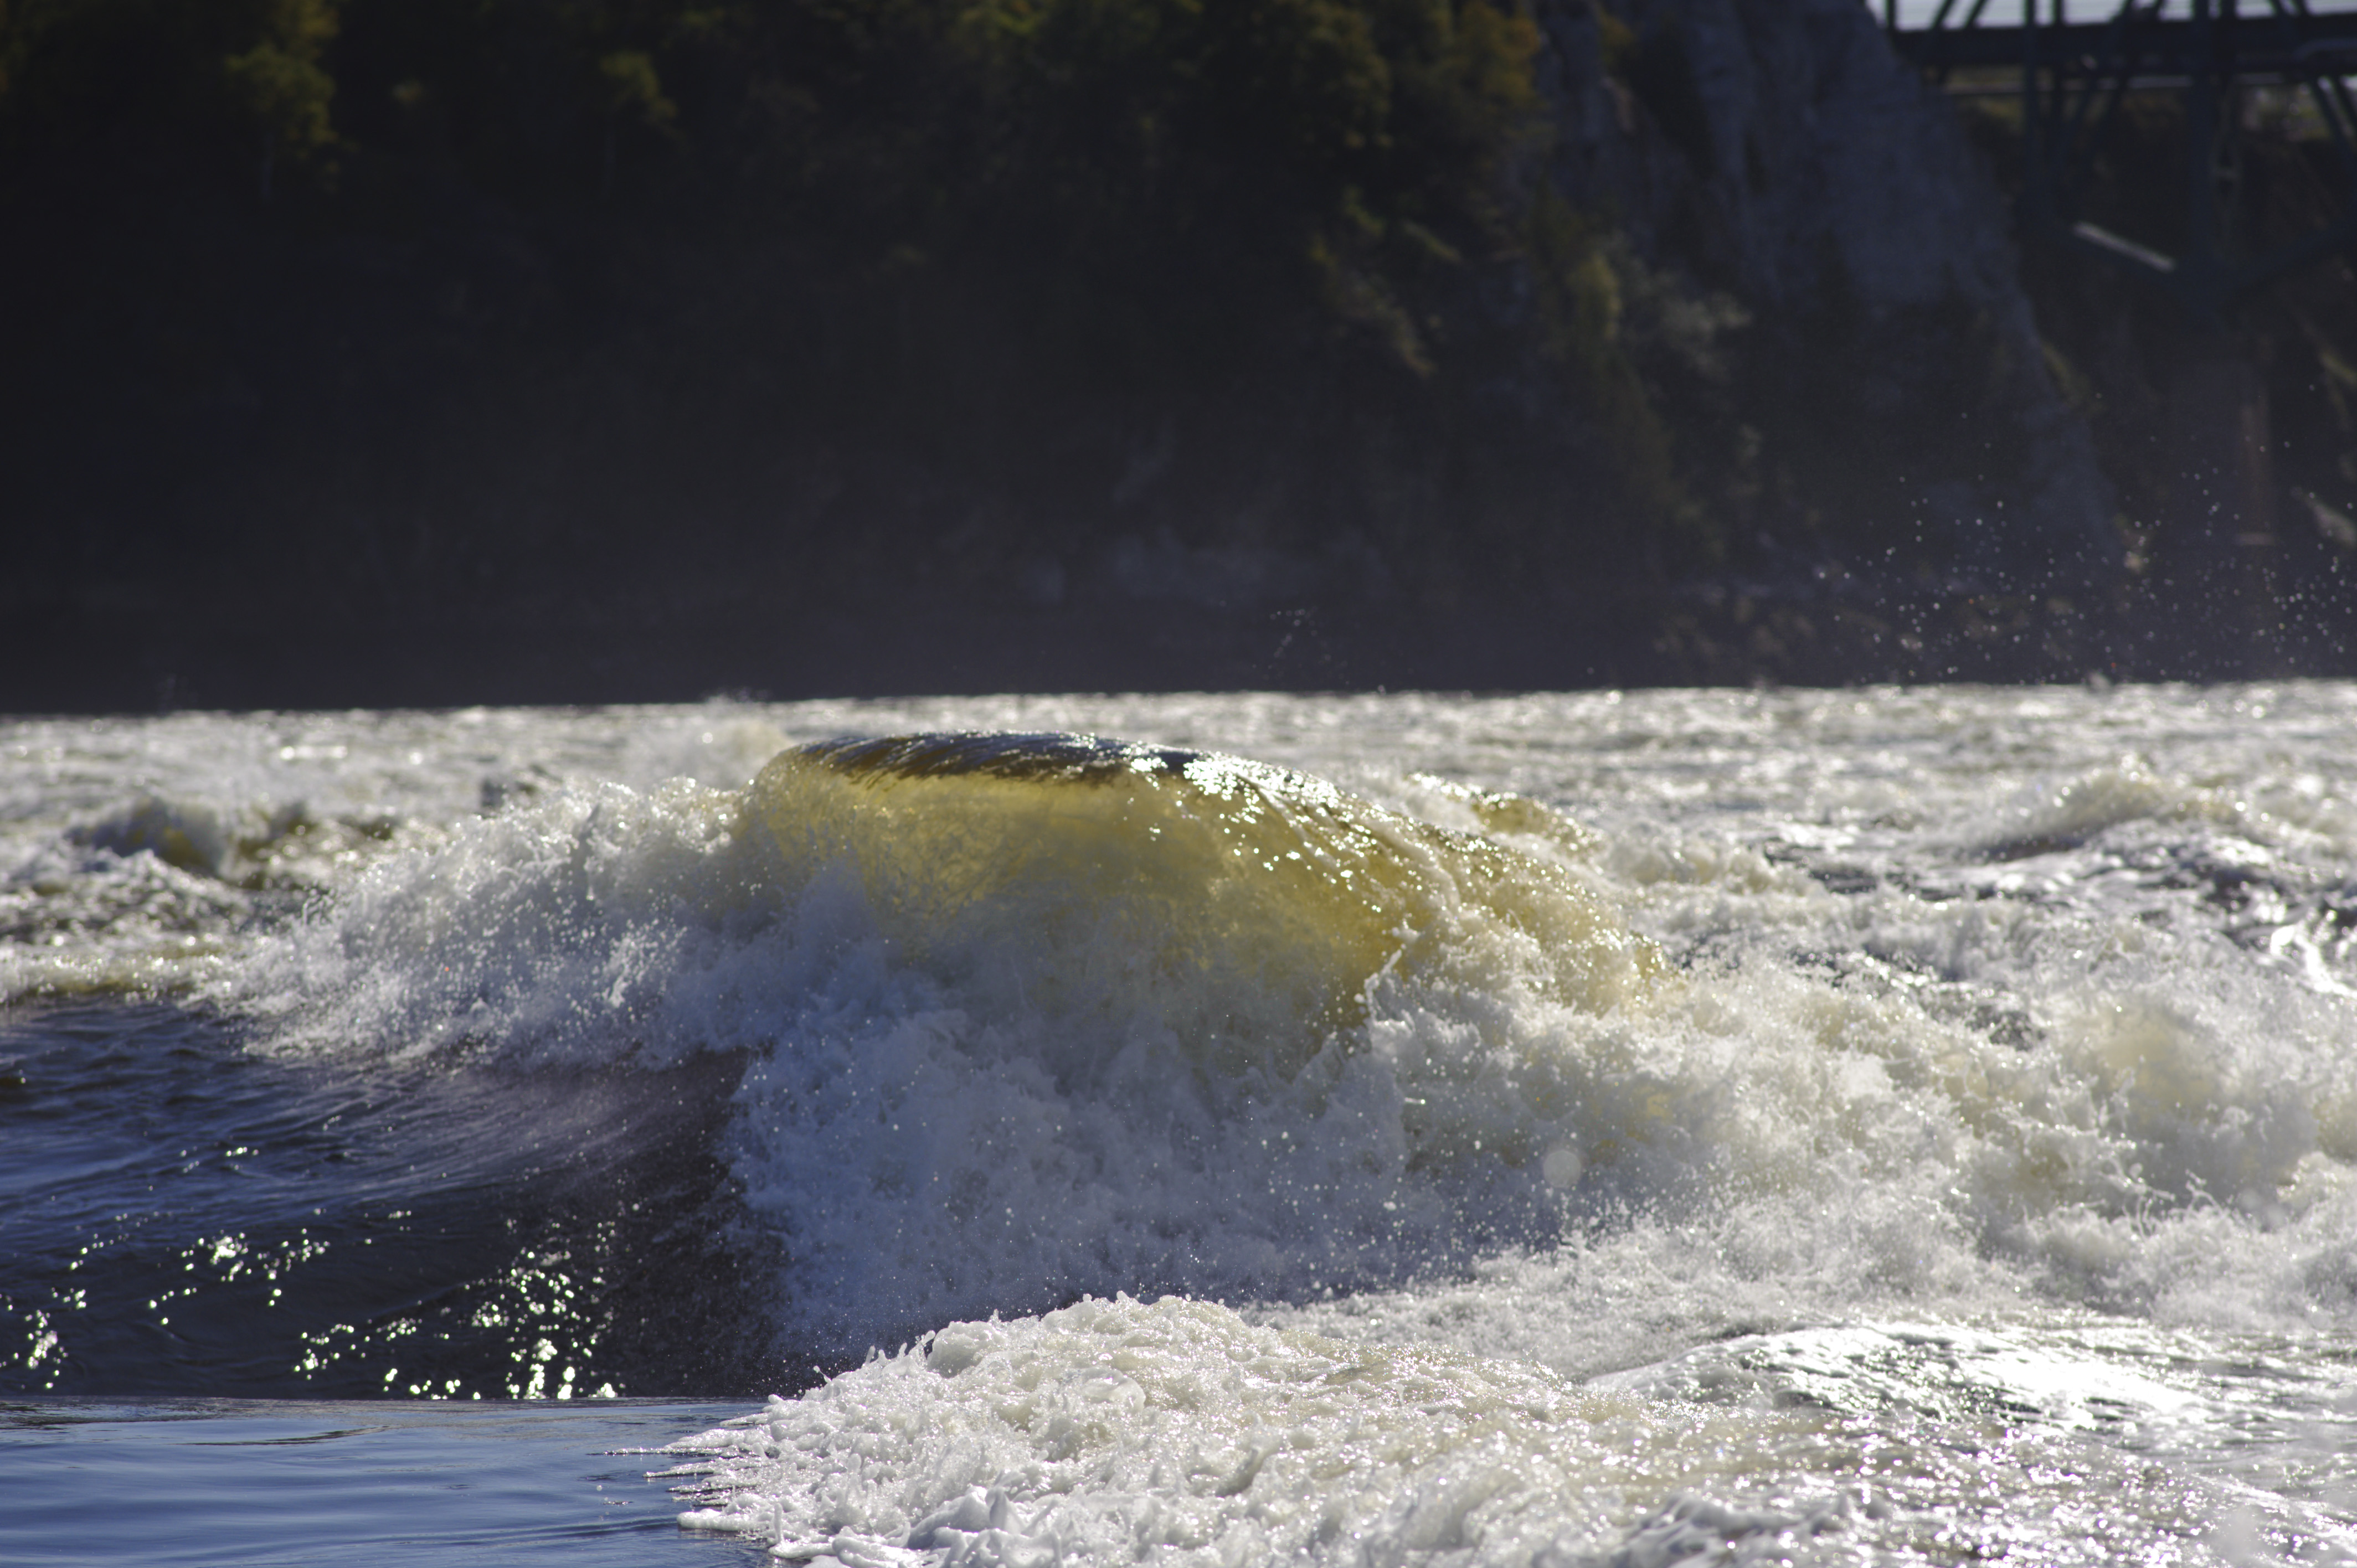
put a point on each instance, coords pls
(251, 1481)
(183, 1217)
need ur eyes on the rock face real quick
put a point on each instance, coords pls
(1778, 150)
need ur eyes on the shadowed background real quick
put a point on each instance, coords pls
(434, 351)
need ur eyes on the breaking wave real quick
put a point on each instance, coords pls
(1024, 1018)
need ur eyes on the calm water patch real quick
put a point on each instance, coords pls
(245, 1481)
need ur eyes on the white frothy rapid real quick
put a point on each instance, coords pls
(1116, 1432)
(1884, 1126)
(1025, 1022)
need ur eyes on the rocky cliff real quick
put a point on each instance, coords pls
(1777, 150)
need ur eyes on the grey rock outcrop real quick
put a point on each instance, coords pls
(1778, 150)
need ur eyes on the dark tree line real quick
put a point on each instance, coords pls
(469, 313)
(377, 351)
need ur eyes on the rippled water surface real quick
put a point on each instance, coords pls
(211, 1481)
(1838, 1126)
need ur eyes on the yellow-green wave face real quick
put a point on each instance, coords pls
(1247, 906)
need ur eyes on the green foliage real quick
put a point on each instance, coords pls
(1582, 303)
(278, 84)
(1619, 41)
(633, 89)
(166, 73)
(1335, 157)
(1328, 150)
(1003, 243)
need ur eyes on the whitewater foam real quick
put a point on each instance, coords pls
(1028, 1018)
(1024, 1018)
(1177, 1433)
(1864, 1063)
(1119, 1431)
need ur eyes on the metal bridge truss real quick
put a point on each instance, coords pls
(2075, 75)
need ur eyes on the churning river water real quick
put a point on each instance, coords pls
(1869, 1126)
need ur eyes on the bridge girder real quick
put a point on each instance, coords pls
(2074, 76)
